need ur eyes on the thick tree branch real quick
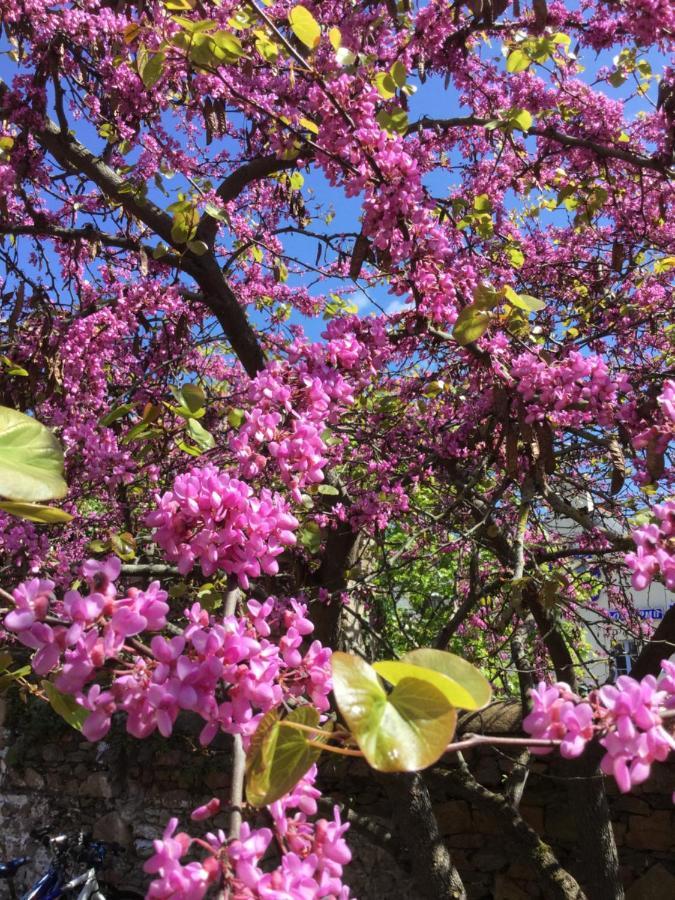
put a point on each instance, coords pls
(566, 140)
(218, 295)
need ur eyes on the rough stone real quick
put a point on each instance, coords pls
(631, 804)
(506, 889)
(112, 828)
(454, 817)
(33, 779)
(96, 785)
(651, 832)
(657, 884)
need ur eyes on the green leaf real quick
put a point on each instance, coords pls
(471, 323)
(34, 512)
(516, 256)
(399, 73)
(328, 490)
(310, 537)
(523, 301)
(394, 671)
(153, 69)
(65, 705)
(458, 670)
(202, 438)
(665, 264)
(216, 213)
(192, 396)
(31, 459)
(304, 26)
(394, 120)
(309, 126)
(403, 731)
(186, 448)
(518, 61)
(520, 118)
(199, 248)
(13, 368)
(279, 756)
(236, 417)
(385, 84)
(179, 4)
(482, 203)
(119, 412)
(227, 46)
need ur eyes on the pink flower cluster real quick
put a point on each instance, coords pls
(571, 391)
(288, 428)
(186, 672)
(311, 867)
(217, 520)
(655, 552)
(89, 629)
(627, 719)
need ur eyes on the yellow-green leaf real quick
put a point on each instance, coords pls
(403, 731)
(517, 61)
(31, 459)
(394, 671)
(279, 755)
(385, 84)
(471, 323)
(523, 301)
(153, 69)
(35, 512)
(399, 73)
(304, 26)
(457, 669)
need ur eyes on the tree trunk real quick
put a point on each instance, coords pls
(598, 867)
(435, 876)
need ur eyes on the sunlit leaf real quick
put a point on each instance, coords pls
(31, 459)
(403, 731)
(304, 26)
(385, 84)
(203, 438)
(279, 755)
(518, 61)
(459, 670)
(471, 323)
(34, 512)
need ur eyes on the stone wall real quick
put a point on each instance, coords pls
(125, 791)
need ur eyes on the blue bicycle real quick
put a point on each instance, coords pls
(69, 853)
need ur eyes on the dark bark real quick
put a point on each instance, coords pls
(598, 860)
(435, 876)
(661, 645)
(555, 881)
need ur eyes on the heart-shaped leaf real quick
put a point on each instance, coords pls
(34, 512)
(458, 670)
(279, 755)
(403, 731)
(31, 459)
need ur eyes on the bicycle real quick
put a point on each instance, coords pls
(68, 853)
